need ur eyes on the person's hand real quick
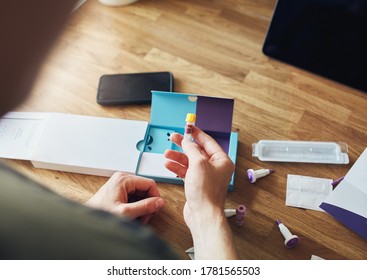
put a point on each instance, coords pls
(207, 171)
(205, 167)
(128, 195)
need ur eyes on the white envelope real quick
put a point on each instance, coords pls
(348, 201)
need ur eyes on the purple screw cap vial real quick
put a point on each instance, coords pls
(240, 214)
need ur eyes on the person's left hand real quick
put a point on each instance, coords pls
(128, 195)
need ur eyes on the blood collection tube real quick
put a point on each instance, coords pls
(190, 122)
(240, 214)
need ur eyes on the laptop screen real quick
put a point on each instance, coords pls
(326, 37)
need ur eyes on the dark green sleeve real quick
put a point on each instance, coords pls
(36, 223)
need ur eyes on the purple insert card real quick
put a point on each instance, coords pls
(352, 220)
(214, 116)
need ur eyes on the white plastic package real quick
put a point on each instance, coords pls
(301, 151)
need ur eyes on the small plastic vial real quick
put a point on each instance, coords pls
(190, 123)
(240, 214)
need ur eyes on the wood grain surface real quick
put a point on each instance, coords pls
(212, 48)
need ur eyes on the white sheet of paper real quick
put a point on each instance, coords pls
(19, 134)
(152, 164)
(307, 192)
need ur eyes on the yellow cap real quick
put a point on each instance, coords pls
(190, 117)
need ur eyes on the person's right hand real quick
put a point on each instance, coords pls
(205, 167)
(207, 171)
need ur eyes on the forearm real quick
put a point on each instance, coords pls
(213, 238)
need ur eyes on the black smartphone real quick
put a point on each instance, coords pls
(134, 88)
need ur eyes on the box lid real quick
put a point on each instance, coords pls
(90, 142)
(213, 114)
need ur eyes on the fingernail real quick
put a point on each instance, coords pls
(159, 203)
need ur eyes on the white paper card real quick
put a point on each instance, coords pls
(307, 192)
(152, 164)
(19, 134)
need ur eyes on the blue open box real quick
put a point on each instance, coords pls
(102, 146)
(168, 114)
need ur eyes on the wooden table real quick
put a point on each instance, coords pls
(212, 48)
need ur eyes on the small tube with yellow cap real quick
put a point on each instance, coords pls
(190, 122)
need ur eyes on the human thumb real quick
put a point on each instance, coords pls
(142, 207)
(190, 148)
